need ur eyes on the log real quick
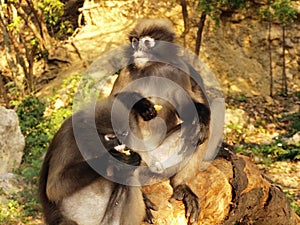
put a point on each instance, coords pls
(231, 190)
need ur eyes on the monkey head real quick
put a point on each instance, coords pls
(150, 42)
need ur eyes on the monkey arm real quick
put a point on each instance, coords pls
(66, 169)
(133, 159)
(204, 121)
(195, 115)
(78, 175)
(179, 182)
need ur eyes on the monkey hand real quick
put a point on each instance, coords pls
(142, 106)
(190, 200)
(146, 109)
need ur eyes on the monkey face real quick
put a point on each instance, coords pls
(148, 42)
(120, 151)
(142, 50)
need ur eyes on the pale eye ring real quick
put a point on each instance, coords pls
(134, 43)
(148, 42)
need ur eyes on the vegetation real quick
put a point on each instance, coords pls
(31, 31)
(39, 120)
(266, 136)
(285, 123)
(28, 31)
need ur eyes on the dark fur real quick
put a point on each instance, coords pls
(65, 172)
(161, 31)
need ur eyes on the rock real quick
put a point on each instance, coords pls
(12, 142)
(236, 116)
(10, 184)
(295, 140)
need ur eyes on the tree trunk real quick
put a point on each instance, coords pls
(39, 30)
(270, 51)
(199, 33)
(3, 91)
(284, 78)
(231, 191)
(185, 16)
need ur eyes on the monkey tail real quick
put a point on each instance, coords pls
(50, 209)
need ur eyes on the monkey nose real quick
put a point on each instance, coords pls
(139, 54)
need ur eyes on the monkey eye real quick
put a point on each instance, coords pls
(134, 43)
(149, 42)
(109, 137)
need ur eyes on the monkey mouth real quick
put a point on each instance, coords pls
(140, 55)
(140, 58)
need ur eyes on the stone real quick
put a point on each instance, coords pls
(295, 139)
(12, 141)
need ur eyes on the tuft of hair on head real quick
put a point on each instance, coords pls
(160, 29)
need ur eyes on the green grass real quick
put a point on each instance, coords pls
(39, 120)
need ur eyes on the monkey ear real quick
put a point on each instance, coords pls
(132, 35)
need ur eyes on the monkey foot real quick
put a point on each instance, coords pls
(149, 218)
(190, 200)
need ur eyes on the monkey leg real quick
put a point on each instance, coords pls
(204, 121)
(180, 184)
(67, 222)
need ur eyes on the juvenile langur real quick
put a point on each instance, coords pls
(71, 190)
(152, 55)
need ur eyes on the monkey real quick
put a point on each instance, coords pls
(153, 66)
(71, 189)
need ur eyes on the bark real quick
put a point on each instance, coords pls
(270, 53)
(232, 190)
(39, 29)
(3, 91)
(185, 16)
(199, 32)
(284, 78)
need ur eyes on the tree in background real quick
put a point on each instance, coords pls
(27, 40)
(278, 11)
(266, 14)
(285, 14)
(214, 9)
